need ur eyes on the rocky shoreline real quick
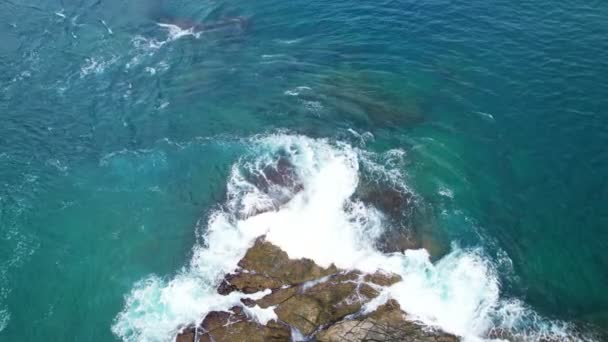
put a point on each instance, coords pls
(310, 303)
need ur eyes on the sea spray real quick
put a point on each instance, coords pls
(323, 221)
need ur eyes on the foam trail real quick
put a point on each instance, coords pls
(4, 318)
(322, 221)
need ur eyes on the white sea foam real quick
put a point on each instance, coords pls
(103, 22)
(446, 192)
(60, 14)
(96, 65)
(485, 115)
(175, 32)
(296, 91)
(4, 318)
(460, 293)
(288, 41)
(148, 46)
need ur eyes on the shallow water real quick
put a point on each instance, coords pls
(120, 138)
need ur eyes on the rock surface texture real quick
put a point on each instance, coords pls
(311, 303)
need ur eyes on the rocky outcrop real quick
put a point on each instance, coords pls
(408, 226)
(266, 266)
(322, 304)
(387, 323)
(278, 180)
(234, 325)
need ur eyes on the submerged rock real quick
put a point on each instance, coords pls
(278, 180)
(322, 304)
(283, 174)
(408, 227)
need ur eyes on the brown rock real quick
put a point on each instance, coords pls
(382, 279)
(279, 181)
(269, 260)
(308, 298)
(325, 302)
(389, 200)
(282, 174)
(248, 331)
(386, 324)
(410, 225)
(300, 312)
(367, 291)
(247, 283)
(186, 335)
(217, 319)
(346, 276)
(398, 240)
(248, 302)
(233, 326)
(225, 288)
(277, 297)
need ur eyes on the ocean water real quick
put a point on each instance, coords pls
(133, 133)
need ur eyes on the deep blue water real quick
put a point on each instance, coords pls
(117, 137)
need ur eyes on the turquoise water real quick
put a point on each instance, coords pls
(118, 136)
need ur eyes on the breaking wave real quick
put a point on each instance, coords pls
(300, 193)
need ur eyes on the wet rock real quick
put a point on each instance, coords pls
(277, 296)
(300, 312)
(387, 323)
(270, 261)
(382, 278)
(397, 240)
(321, 303)
(346, 276)
(389, 200)
(186, 336)
(279, 181)
(248, 331)
(328, 301)
(247, 283)
(367, 291)
(282, 174)
(266, 266)
(400, 240)
(408, 226)
(234, 325)
(274, 177)
(217, 319)
(226, 288)
(248, 302)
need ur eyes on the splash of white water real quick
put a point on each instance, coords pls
(460, 293)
